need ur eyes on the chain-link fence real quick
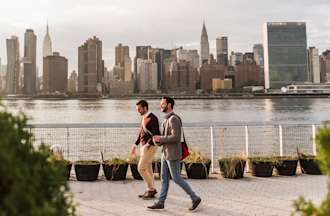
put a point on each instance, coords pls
(86, 141)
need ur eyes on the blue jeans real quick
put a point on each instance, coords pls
(173, 167)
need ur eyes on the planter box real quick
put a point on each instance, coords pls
(115, 172)
(87, 172)
(135, 173)
(287, 167)
(309, 166)
(68, 170)
(197, 170)
(262, 169)
(233, 169)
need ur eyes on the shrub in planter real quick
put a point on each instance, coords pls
(133, 164)
(286, 165)
(30, 183)
(303, 207)
(87, 170)
(197, 166)
(262, 166)
(67, 164)
(115, 169)
(57, 156)
(232, 167)
(309, 165)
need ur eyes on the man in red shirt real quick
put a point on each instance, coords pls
(149, 128)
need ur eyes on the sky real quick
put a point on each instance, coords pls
(164, 24)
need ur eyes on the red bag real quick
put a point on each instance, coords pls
(185, 149)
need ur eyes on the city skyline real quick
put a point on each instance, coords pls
(144, 23)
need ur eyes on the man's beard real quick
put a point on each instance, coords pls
(164, 109)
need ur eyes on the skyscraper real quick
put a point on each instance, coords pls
(55, 76)
(29, 62)
(121, 53)
(209, 71)
(191, 56)
(222, 50)
(142, 52)
(147, 76)
(314, 65)
(205, 47)
(90, 67)
(182, 77)
(73, 82)
(123, 62)
(13, 65)
(258, 53)
(47, 45)
(285, 53)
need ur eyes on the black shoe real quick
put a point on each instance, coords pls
(156, 206)
(195, 204)
(142, 195)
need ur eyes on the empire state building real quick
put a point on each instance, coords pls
(47, 45)
(205, 47)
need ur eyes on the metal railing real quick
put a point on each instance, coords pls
(86, 141)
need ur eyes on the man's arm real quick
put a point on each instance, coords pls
(175, 135)
(137, 142)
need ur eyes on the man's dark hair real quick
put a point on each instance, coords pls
(169, 100)
(142, 103)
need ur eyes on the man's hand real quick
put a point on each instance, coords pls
(156, 139)
(134, 150)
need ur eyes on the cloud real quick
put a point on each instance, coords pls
(158, 23)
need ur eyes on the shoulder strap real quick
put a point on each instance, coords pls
(173, 114)
(145, 129)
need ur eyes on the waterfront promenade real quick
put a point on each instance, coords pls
(245, 197)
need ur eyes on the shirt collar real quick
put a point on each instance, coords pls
(147, 114)
(167, 115)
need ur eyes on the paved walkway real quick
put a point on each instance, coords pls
(248, 196)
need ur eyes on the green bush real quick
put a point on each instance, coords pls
(31, 183)
(307, 208)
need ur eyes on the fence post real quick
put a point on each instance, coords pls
(314, 139)
(247, 147)
(212, 150)
(281, 139)
(67, 143)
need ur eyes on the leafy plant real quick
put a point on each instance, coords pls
(133, 159)
(115, 161)
(307, 208)
(196, 156)
(86, 162)
(262, 159)
(229, 165)
(280, 159)
(30, 182)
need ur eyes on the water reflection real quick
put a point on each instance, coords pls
(123, 111)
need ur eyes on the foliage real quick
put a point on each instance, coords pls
(280, 159)
(307, 208)
(229, 164)
(86, 162)
(262, 159)
(115, 161)
(31, 184)
(196, 156)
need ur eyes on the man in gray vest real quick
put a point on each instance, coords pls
(172, 152)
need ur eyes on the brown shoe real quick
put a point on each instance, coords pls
(142, 195)
(149, 195)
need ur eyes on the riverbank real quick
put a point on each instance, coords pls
(182, 97)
